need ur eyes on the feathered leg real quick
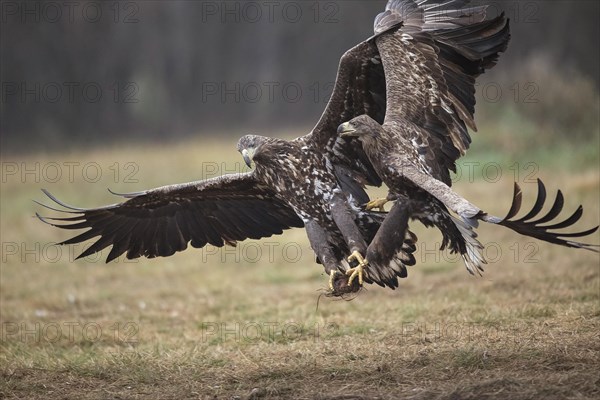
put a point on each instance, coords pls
(317, 237)
(383, 247)
(398, 256)
(342, 215)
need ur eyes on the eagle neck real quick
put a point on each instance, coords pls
(374, 146)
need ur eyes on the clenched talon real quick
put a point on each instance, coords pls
(358, 270)
(378, 203)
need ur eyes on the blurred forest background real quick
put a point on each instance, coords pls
(105, 72)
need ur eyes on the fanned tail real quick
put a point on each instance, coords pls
(459, 236)
(535, 228)
(471, 249)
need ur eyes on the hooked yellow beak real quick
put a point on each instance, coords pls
(247, 155)
(346, 130)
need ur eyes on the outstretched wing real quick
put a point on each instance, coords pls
(162, 221)
(359, 89)
(430, 66)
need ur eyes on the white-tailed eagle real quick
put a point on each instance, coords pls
(430, 65)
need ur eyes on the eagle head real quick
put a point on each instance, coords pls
(359, 127)
(248, 145)
(257, 149)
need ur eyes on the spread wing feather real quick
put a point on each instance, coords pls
(454, 45)
(162, 221)
(430, 66)
(359, 89)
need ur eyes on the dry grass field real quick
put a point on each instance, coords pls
(249, 322)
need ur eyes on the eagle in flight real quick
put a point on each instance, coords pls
(414, 81)
(430, 103)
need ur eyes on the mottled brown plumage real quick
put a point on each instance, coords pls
(162, 221)
(430, 64)
(316, 181)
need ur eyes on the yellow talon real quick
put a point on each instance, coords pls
(331, 278)
(354, 272)
(358, 270)
(378, 203)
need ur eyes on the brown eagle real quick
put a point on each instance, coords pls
(315, 181)
(430, 104)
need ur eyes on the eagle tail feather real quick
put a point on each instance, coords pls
(471, 248)
(527, 226)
